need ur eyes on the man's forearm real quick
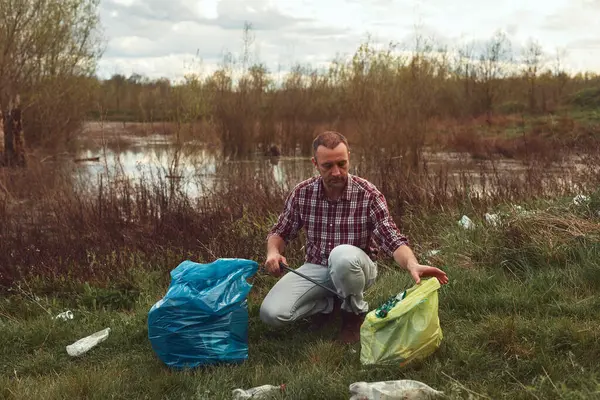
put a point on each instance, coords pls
(404, 256)
(275, 244)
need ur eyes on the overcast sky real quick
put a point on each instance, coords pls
(168, 38)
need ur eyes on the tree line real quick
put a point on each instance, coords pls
(386, 95)
(49, 51)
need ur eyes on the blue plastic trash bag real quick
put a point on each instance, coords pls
(203, 317)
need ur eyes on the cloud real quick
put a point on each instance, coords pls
(179, 38)
(154, 10)
(232, 14)
(159, 37)
(590, 43)
(576, 16)
(160, 32)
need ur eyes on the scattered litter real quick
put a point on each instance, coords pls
(492, 219)
(65, 315)
(352, 351)
(581, 199)
(259, 392)
(466, 222)
(204, 395)
(83, 345)
(393, 390)
(432, 253)
(519, 210)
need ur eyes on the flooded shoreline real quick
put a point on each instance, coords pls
(113, 150)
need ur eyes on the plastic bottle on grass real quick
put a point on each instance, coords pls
(83, 345)
(65, 315)
(259, 392)
(404, 389)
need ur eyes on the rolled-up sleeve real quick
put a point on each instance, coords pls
(289, 222)
(386, 233)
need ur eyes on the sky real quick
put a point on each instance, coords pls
(172, 38)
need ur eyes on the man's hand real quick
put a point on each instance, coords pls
(418, 271)
(272, 263)
(275, 246)
(405, 257)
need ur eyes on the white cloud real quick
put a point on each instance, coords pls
(158, 37)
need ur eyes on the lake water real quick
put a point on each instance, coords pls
(110, 150)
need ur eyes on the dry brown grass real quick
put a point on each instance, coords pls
(376, 97)
(392, 111)
(546, 229)
(513, 137)
(50, 227)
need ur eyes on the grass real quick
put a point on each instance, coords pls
(522, 137)
(96, 230)
(520, 315)
(519, 318)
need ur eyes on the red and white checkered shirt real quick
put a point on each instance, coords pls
(360, 217)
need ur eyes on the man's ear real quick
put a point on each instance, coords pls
(314, 161)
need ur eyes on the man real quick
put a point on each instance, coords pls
(345, 217)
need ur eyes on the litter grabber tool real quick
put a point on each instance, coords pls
(285, 267)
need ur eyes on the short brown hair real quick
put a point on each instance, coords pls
(329, 139)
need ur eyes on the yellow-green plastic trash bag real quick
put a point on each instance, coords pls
(405, 328)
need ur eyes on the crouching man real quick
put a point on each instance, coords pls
(346, 219)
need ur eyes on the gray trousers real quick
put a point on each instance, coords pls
(350, 271)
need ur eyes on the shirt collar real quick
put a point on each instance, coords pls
(346, 194)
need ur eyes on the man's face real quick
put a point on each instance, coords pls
(333, 165)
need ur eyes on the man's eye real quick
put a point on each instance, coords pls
(341, 163)
(326, 166)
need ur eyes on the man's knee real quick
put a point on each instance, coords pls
(345, 259)
(272, 313)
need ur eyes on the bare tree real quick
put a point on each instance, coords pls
(532, 65)
(560, 76)
(1, 136)
(44, 44)
(492, 68)
(466, 72)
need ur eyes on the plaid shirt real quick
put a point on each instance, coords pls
(360, 217)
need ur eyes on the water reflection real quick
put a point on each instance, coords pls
(198, 168)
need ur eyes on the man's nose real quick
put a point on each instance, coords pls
(335, 170)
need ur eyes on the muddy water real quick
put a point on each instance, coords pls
(111, 151)
(116, 151)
